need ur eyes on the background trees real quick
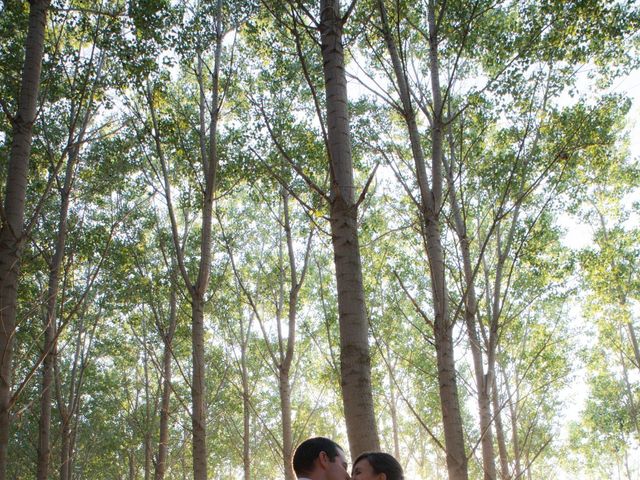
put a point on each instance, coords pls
(194, 168)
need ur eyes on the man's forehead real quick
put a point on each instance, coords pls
(341, 456)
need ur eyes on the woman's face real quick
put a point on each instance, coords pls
(364, 471)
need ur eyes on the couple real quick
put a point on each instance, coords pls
(322, 459)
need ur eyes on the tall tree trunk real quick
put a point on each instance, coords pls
(163, 441)
(393, 408)
(73, 149)
(246, 404)
(148, 453)
(287, 431)
(11, 240)
(355, 361)
(65, 454)
(210, 168)
(132, 465)
(44, 425)
(483, 382)
(197, 290)
(50, 326)
(431, 200)
(69, 407)
(502, 444)
(449, 401)
(199, 413)
(515, 437)
(282, 357)
(286, 354)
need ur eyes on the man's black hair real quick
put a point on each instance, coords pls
(309, 450)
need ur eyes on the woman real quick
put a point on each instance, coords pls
(376, 466)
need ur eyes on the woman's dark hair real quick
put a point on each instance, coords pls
(382, 463)
(309, 450)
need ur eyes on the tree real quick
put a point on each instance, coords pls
(333, 117)
(86, 84)
(209, 158)
(279, 351)
(11, 233)
(430, 205)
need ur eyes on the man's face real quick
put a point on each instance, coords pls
(337, 470)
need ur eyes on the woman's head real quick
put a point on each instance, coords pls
(376, 466)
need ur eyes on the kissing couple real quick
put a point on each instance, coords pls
(320, 458)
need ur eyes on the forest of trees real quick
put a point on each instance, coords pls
(230, 225)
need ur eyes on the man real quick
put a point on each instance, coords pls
(320, 459)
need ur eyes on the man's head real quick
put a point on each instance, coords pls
(320, 459)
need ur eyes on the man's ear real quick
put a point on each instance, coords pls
(381, 476)
(323, 460)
